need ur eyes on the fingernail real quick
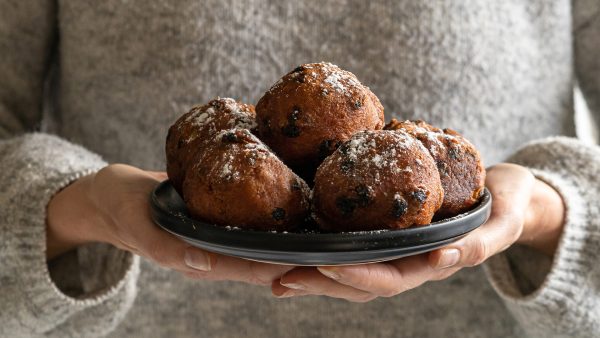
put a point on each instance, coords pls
(448, 258)
(294, 286)
(197, 259)
(287, 294)
(329, 272)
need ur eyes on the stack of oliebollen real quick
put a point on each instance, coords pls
(318, 126)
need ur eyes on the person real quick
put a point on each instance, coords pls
(88, 83)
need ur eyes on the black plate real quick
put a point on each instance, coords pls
(311, 248)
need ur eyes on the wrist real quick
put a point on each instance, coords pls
(544, 219)
(71, 218)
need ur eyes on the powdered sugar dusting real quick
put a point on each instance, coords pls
(334, 81)
(333, 78)
(202, 118)
(218, 114)
(227, 169)
(378, 160)
(372, 153)
(340, 80)
(434, 138)
(357, 146)
(240, 145)
(241, 116)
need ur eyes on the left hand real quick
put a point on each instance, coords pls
(524, 210)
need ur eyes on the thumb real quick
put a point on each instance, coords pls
(158, 175)
(511, 187)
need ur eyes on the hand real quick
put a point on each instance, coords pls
(112, 206)
(524, 210)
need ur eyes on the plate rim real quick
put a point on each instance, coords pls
(481, 211)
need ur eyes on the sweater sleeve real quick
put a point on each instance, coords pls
(560, 297)
(586, 35)
(566, 302)
(34, 167)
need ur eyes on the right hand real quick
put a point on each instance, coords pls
(112, 206)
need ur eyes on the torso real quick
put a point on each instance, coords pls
(500, 72)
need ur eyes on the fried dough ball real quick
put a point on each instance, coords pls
(459, 163)
(239, 182)
(312, 110)
(377, 180)
(188, 134)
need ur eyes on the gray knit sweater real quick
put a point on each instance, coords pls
(84, 83)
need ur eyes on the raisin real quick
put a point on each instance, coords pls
(345, 148)
(278, 214)
(357, 104)
(295, 115)
(346, 166)
(230, 137)
(298, 69)
(365, 195)
(345, 205)
(291, 130)
(420, 195)
(442, 167)
(453, 153)
(399, 206)
(180, 143)
(300, 78)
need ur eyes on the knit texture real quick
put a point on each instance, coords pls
(81, 78)
(46, 165)
(562, 302)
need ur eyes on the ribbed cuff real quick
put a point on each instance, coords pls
(36, 167)
(44, 293)
(562, 290)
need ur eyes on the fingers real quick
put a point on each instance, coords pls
(359, 283)
(386, 279)
(496, 235)
(170, 252)
(308, 280)
(158, 175)
(145, 239)
(121, 191)
(511, 187)
(241, 270)
(281, 291)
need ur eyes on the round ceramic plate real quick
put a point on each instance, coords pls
(311, 247)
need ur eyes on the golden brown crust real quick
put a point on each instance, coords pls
(188, 134)
(370, 179)
(240, 182)
(459, 163)
(377, 180)
(312, 109)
